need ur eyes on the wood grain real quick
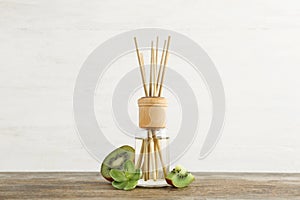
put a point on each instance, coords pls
(90, 185)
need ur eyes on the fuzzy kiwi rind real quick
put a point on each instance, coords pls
(179, 177)
(116, 160)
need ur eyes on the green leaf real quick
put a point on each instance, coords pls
(130, 185)
(134, 176)
(129, 166)
(129, 175)
(118, 175)
(137, 175)
(119, 185)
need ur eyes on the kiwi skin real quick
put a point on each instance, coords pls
(170, 176)
(125, 152)
(179, 177)
(169, 181)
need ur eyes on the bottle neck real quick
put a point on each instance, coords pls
(146, 133)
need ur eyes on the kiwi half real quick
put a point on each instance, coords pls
(179, 177)
(116, 159)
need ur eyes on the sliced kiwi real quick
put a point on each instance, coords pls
(116, 159)
(180, 181)
(179, 177)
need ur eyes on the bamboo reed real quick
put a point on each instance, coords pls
(151, 71)
(141, 68)
(160, 155)
(154, 71)
(160, 66)
(139, 162)
(146, 160)
(164, 67)
(143, 72)
(148, 155)
(155, 154)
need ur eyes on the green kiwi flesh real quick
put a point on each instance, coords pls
(179, 177)
(116, 159)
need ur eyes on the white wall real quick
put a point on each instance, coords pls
(254, 44)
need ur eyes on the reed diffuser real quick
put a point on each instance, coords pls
(152, 154)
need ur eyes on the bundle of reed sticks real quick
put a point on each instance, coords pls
(151, 148)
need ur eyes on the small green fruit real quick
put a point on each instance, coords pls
(179, 177)
(116, 160)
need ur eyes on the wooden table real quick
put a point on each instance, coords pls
(90, 185)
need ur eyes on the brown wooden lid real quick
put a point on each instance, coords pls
(153, 101)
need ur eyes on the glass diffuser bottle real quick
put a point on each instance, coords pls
(152, 152)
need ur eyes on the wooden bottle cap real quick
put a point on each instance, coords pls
(152, 112)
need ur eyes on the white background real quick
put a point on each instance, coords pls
(254, 44)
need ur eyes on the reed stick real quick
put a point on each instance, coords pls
(141, 68)
(146, 160)
(155, 154)
(165, 58)
(151, 71)
(139, 162)
(144, 170)
(143, 71)
(155, 67)
(161, 65)
(160, 155)
(164, 67)
(153, 169)
(148, 155)
(156, 54)
(154, 72)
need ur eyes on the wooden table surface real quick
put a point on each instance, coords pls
(90, 185)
